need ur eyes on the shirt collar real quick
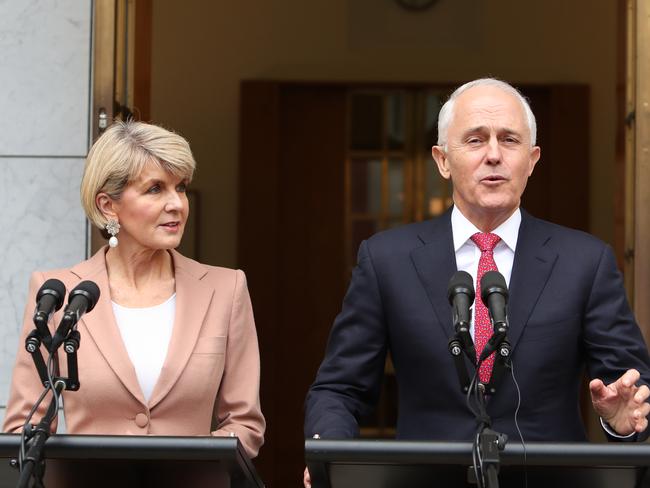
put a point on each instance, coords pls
(462, 229)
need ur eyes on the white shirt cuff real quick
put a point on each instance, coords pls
(607, 428)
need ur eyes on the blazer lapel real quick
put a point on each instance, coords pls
(101, 326)
(534, 261)
(435, 264)
(193, 299)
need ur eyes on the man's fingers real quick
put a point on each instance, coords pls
(642, 411)
(306, 479)
(642, 394)
(596, 387)
(630, 377)
(641, 425)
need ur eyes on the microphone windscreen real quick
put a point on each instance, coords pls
(493, 282)
(88, 289)
(460, 282)
(54, 288)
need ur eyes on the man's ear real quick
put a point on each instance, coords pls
(106, 205)
(535, 154)
(440, 157)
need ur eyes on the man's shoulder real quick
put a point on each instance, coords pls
(566, 237)
(409, 234)
(391, 244)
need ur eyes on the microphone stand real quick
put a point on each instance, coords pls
(456, 349)
(70, 346)
(33, 464)
(461, 342)
(501, 363)
(488, 442)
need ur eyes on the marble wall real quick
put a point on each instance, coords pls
(45, 61)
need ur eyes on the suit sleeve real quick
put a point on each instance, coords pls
(237, 408)
(348, 382)
(26, 386)
(612, 338)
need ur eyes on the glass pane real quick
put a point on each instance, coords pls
(365, 186)
(366, 122)
(395, 187)
(396, 121)
(361, 229)
(437, 191)
(396, 222)
(433, 104)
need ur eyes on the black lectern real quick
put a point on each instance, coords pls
(136, 461)
(414, 464)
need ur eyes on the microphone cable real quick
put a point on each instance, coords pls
(521, 436)
(478, 410)
(26, 425)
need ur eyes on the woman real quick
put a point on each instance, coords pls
(170, 348)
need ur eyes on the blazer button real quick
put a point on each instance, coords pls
(141, 420)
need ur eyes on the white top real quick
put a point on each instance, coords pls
(146, 333)
(468, 253)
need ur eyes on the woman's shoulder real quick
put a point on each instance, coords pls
(88, 269)
(63, 274)
(207, 272)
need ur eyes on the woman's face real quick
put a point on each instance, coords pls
(152, 210)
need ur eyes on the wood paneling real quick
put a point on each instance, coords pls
(642, 168)
(291, 248)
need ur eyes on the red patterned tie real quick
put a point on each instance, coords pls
(482, 326)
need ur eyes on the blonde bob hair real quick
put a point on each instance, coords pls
(119, 155)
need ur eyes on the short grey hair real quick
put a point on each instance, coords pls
(446, 113)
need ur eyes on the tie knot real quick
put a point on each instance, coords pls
(485, 240)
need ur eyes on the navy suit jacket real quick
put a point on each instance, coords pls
(567, 311)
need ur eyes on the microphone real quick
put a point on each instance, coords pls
(460, 293)
(82, 299)
(494, 293)
(49, 299)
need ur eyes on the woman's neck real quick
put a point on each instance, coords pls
(141, 277)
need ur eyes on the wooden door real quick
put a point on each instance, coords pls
(291, 248)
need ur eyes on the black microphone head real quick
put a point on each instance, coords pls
(54, 288)
(89, 290)
(460, 282)
(493, 282)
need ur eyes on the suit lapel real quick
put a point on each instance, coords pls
(435, 264)
(102, 328)
(534, 261)
(193, 298)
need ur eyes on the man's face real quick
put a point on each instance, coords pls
(488, 156)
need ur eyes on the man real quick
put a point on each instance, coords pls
(567, 307)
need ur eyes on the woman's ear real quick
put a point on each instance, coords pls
(106, 205)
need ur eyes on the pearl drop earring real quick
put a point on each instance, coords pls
(112, 227)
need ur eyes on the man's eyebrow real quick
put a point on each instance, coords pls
(478, 128)
(483, 128)
(475, 130)
(507, 130)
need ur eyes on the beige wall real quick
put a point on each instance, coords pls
(201, 51)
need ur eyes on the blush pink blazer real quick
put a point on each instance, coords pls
(209, 383)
